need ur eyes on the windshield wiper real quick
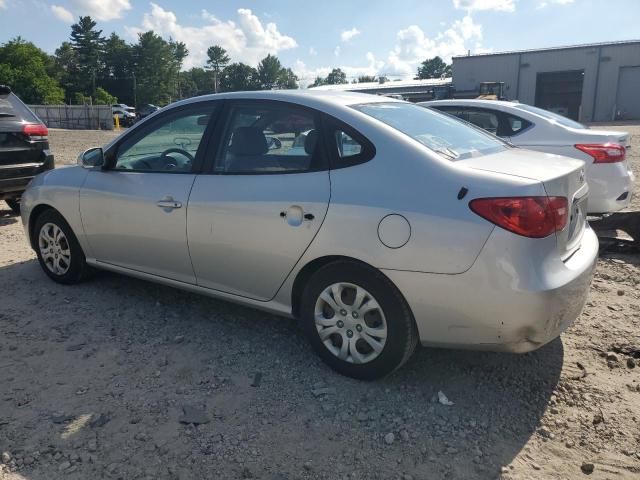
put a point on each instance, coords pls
(447, 152)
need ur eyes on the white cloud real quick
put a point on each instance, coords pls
(475, 5)
(246, 39)
(413, 46)
(62, 13)
(336, 51)
(313, 52)
(546, 3)
(101, 9)
(3, 4)
(307, 75)
(347, 35)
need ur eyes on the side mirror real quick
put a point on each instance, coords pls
(94, 157)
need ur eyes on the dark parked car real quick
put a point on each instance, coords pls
(24, 147)
(146, 110)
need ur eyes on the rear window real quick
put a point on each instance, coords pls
(554, 117)
(11, 108)
(443, 134)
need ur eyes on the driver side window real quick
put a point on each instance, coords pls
(169, 145)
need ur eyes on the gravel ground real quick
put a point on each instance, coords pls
(97, 380)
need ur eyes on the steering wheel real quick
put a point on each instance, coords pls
(177, 150)
(181, 151)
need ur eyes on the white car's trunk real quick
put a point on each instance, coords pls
(561, 176)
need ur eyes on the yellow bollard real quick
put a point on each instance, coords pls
(117, 119)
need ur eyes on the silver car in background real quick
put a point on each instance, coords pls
(604, 151)
(376, 222)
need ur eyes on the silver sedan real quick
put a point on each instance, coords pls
(378, 223)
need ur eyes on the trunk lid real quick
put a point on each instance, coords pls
(560, 176)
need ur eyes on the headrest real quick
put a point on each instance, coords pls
(248, 141)
(310, 142)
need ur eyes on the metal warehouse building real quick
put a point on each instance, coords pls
(590, 83)
(412, 90)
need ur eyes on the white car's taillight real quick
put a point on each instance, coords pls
(604, 152)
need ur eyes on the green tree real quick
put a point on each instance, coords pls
(66, 68)
(434, 68)
(157, 68)
(287, 80)
(367, 79)
(318, 81)
(269, 71)
(217, 60)
(117, 58)
(88, 42)
(238, 77)
(103, 97)
(27, 70)
(336, 77)
(195, 82)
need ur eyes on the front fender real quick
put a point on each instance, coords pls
(58, 189)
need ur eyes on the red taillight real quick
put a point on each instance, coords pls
(604, 152)
(534, 217)
(35, 130)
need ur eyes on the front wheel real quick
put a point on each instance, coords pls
(357, 321)
(58, 250)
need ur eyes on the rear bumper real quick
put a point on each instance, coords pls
(610, 187)
(14, 178)
(515, 298)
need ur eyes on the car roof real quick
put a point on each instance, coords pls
(310, 98)
(469, 102)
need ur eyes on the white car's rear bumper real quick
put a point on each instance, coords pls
(514, 298)
(610, 187)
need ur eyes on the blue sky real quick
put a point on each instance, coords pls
(360, 36)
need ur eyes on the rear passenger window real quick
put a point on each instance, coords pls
(485, 119)
(515, 124)
(348, 147)
(270, 137)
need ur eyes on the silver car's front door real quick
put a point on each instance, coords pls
(134, 213)
(251, 220)
(138, 221)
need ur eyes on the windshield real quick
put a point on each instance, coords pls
(554, 117)
(444, 134)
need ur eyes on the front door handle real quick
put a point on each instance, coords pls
(168, 203)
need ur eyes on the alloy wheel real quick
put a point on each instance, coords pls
(54, 249)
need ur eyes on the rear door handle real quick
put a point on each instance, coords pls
(170, 204)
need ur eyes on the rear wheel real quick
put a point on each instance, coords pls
(357, 321)
(14, 204)
(58, 250)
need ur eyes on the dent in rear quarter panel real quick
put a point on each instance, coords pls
(60, 189)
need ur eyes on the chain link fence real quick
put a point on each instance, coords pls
(75, 117)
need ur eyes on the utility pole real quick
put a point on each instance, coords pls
(135, 99)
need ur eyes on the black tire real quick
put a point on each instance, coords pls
(14, 204)
(402, 335)
(78, 270)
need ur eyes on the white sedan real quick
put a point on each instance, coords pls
(604, 152)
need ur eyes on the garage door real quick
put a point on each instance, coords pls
(628, 101)
(560, 92)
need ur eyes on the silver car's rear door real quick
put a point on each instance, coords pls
(134, 213)
(251, 219)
